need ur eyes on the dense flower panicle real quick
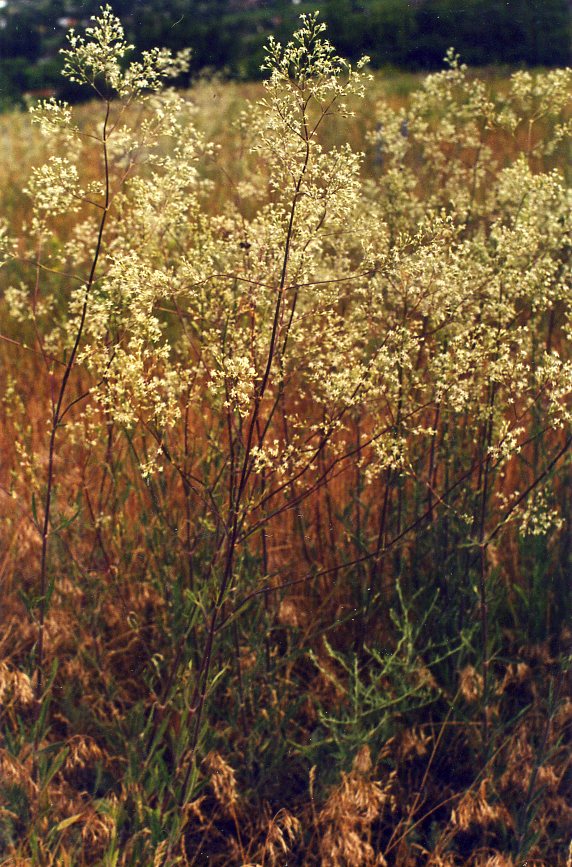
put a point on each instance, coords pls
(393, 296)
(98, 57)
(55, 189)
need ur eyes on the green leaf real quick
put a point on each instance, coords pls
(67, 521)
(55, 766)
(35, 512)
(71, 820)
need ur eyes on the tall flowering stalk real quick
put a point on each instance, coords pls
(95, 60)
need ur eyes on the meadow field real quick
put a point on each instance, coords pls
(285, 466)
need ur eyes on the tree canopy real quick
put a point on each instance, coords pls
(229, 35)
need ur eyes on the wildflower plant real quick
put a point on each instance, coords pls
(275, 418)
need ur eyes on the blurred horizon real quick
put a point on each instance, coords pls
(228, 36)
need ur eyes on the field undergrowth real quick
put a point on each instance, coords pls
(285, 480)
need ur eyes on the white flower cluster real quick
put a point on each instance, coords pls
(429, 305)
(538, 518)
(97, 59)
(55, 188)
(7, 244)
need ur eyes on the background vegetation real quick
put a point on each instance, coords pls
(285, 493)
(229, 35)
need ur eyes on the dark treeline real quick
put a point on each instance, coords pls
(229, 35)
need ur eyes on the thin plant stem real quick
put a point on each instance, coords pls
(55, 422)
